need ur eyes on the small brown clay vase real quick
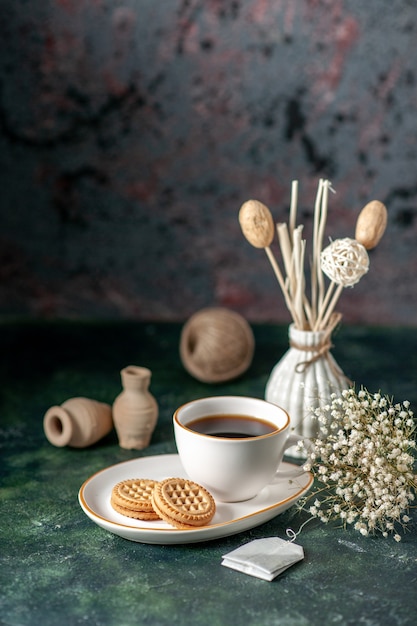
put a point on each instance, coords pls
(135, 410)
(78, 422)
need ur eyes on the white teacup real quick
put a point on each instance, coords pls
(232, 467)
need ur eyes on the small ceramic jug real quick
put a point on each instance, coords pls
(135, 410)
(78, 422)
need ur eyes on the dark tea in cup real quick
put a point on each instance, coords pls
(230, 426)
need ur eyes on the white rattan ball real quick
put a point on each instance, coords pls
(345, 261)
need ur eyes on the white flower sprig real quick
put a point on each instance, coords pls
(363, 462)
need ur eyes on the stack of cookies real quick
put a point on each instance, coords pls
(133, 498)
(178, 501)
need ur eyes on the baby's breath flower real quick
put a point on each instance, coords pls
(362, 462)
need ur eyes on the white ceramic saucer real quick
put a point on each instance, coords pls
(229, 519)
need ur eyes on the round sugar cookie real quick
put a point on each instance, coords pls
(183, 503)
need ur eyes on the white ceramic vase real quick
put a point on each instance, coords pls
(303, 380)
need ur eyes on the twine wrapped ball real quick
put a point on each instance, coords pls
(216, 345)
(345, 261)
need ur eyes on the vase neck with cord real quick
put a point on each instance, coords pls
(304, 379)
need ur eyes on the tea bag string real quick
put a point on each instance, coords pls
(292, 535)
(321, 350)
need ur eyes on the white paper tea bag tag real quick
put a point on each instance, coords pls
(264, 558)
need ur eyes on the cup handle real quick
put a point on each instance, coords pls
(295, 471)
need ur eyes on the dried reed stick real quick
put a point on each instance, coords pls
(293, 207)
(319, 243)
(331, 307)
(286, 248)
(315, 262)
(319, 320)
(280, 278)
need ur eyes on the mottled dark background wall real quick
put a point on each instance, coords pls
(132, 131)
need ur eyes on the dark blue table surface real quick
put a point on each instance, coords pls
(58, 567)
